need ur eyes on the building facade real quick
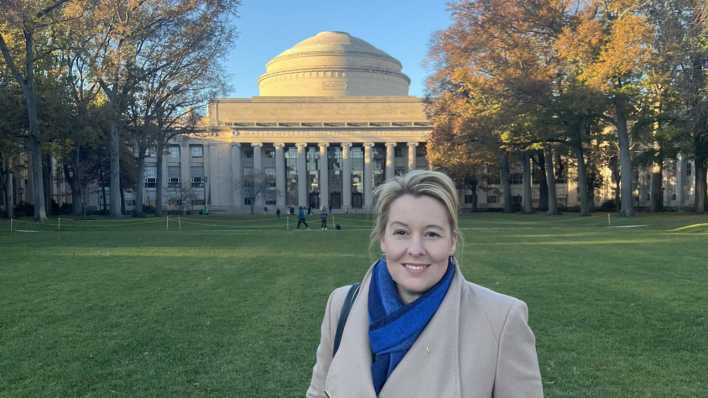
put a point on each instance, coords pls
(333, 121)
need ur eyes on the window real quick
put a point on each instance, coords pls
(248, 152)
(173, 153)
(197, 171)
(150, 182)
(492, 199)
(173, 171)
(268, 152)
(469, 198)
(689, 170)
(398, 150)
(197, 151)
(516, 178)
(420, 150)
(198, 182)
(269, 173)
(493, 178)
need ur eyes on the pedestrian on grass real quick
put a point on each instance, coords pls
(301, 217)
(417, 327)
(323, 219)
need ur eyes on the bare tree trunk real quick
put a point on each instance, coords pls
(122, 199)
(140, 183)
(76, 205)
(700, 188)
(10, 194)
(506, 184)
(542, 183)
(27, 85)
(48, 191)
(158, 183)
(627, 198)
(550, 180)
(115, 169)
(656, 194)
(582, 179)
(526, 206)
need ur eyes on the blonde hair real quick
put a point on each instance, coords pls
(433, 184)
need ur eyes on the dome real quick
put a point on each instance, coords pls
(333, 64)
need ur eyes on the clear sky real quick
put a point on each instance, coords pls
(401, 28)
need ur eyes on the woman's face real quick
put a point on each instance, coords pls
(417, 243)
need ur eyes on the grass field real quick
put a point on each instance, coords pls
(232, 306)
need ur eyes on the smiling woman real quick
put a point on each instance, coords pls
(417, 328)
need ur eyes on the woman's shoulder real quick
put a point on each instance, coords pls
(337, 297)
(489, 297)
(494, 306)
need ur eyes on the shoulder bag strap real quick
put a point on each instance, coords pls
(346, 308)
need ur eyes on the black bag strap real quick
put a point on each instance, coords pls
(346, 308)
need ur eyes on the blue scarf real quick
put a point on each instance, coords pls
(394, 326)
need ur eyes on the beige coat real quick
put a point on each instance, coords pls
(478, 344)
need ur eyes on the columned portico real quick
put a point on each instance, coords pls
(279, 175)
(301, 175)
(412, 155)
(390, 160)
(324, 176)
(368, 175)
(346, 177)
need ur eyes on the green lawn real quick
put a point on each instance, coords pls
(232, 306)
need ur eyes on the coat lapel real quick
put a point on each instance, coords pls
(429, 369)
(350, 372)
(431, 366)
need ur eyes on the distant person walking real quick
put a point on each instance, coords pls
(301, 217)
(323, 219)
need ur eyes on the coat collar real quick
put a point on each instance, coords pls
(434, 355)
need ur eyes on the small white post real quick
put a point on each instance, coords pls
(58, 224)
(179, 222)
(609, 219)
(333, 221)
(167, 223)
(287, 222)
(12, 220)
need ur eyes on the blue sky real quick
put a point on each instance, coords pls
(402, 28)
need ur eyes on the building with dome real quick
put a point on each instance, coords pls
(332, 121)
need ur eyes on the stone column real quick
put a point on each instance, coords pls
(236, 172)
(680, 180)
(346, 177)
(411, 155)
(185, 164)
(301, 175)
(390, 160)
(258, 176)
(208, 157)
(279, 176)
(368, 175)
(324, 176)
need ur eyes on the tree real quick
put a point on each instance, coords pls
(156, 53)
(496, 62)
(608, 43)
(679, 83)
(20, 23)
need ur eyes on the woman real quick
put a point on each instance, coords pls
(417, 328)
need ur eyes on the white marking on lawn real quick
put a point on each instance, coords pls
(685, 227)
(628, 226)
